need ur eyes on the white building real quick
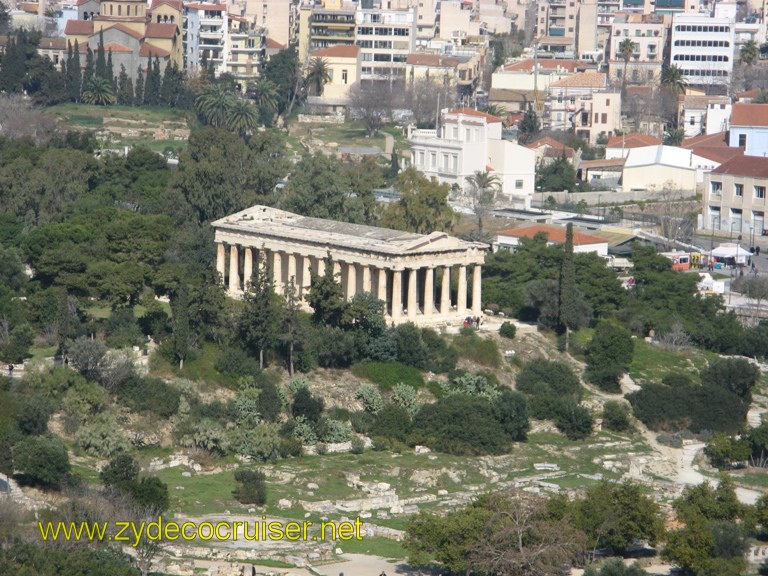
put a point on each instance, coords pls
(749, 128)
(470, 141)
(510, 239)
(385, 37)
(704, 114)
(648, 34)
(702, 47)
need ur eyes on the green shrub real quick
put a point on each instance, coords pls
(333, 431)
(479, 350)
(306, 405)
(392, 421)
(262, 443)
(150, 492)
(41, 461)
(609, 355)
(616, 416)
(507, 330)
(441, 356)
(472, 385)
(149, 395)
(737, 375)
(235, 361)
(362, 421)
(574, 420)
(387, 374)
(405, 396)
(251, 487)
(541, 377)
(32, 414)
(102, 437)
(121, 470)
(370, 397)
(358, 445)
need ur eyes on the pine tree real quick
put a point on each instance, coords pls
(567, 307)
(139, 99)
(180, 308)
(111, 71)
(101, 60)
(291, 322)
(125, 95)
(75, 75)
(152, 83)
(88, 72)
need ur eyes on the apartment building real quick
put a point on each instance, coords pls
(386, 36)
(471, 141)
(648, 33)
(703, 47)
(735, 196)
(584, 103)
(704, 114)
(231, 43)
(324, 26)
(748, 128)
(279, 17)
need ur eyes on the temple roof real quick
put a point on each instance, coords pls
(274, 223)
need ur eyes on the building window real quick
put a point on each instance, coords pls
(518, 184)
(119, 10)
(433, 159)
(692, 121)
(760, 192)
(607, 101)
(343, 76)
(716, 187)
(604, 118)
(738, 189)
(742, 140)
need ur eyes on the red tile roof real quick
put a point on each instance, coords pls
(78, 28)
(639, 90)
(749, 115)
(717, 154)
(155, 30)
(435, 60)
(338, 51)
(554, 234)
(116, 48)
(172, 3)
(718, 139)
(633, 140)
(544, 64)
(53, 43)
(602, 163)
(274, 44)
(749, 166)
(148, 50)
(476, 113)
(208, 7)
(748, 93)
(555, 149)
(124, 28)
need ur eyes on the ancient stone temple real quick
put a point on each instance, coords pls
(412, 273)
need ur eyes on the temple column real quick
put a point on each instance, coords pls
(247, 267)
(234, 270)
(381, 292)
(429, 291)
(320, 269)
(367, 287)
(461, 300)
(221, 261)
(306, 277)
(476, 289)
(291, 270)
(337, 270)
(413, 303)
(277, 271)
(397, 295)
(351, 287)
(445, 291)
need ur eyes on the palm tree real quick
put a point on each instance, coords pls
(626, 49)
(749, 52)
(672, 79)
(318, 75)
(264, 92)
(214, 103)
(98, 91)
(242, 117)
(496, 110)
(484, 186)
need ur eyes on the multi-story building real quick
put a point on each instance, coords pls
(704, 114)
(648, 33)
(584, 103)
(470, 141)
(702, 47)
(386, 37)
(279, 17)
(344, 71)
(324, 26)
(231, 43)
(735, 196)
(748, 128)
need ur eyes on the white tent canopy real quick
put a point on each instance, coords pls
(729, 250)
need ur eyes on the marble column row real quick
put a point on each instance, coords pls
(407, 292)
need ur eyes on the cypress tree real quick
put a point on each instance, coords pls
(75, 74)
(567, 307)
(101, 61)
(125, 95)
(139, 99)
(88, 72)
(111, 71)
